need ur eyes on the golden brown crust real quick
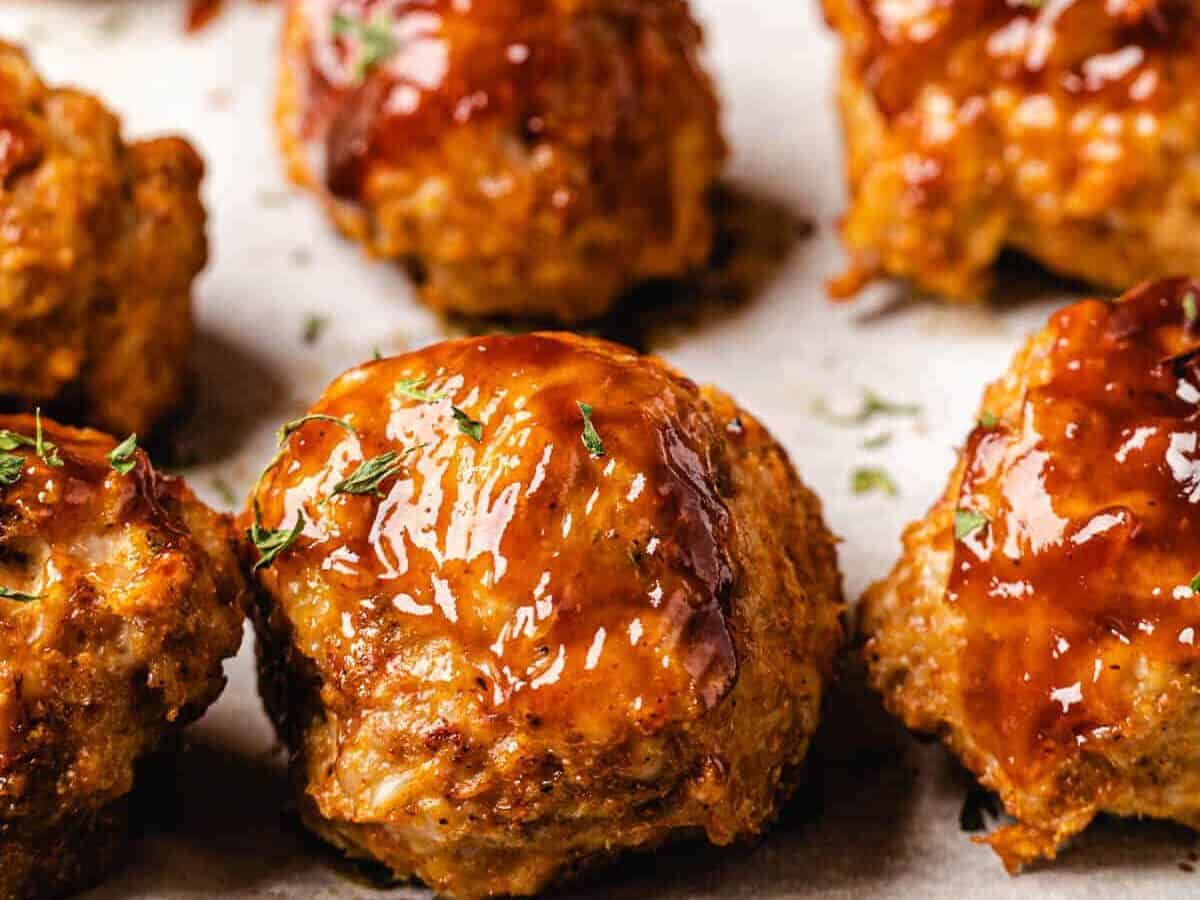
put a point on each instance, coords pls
(534, 159)
(136, 600)
(101, 241)
(521, 658)
(1052, 643)
(1067, 130)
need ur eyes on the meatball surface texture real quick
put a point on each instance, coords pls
(120, 596)
(99, 243)
(530, 157)
(588, 607)
(1068, 130)
(1045, 616)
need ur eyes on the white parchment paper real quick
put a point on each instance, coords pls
(880, 815)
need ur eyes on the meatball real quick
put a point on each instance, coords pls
(120, 595)
(100, 243)
(1045, 616)
(1065, 130)
(530, 157)
(529, 601)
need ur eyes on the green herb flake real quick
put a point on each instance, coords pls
(7, 594)
(987, 420)
(290, 428)
(368, 476)
(878, 442)
(967, 522)
(46, 450)
(314, 327)
(376, 39)
(281, 437)
(272, 541)
(468, 426)
(872, 478)
(1191, 309)
(1195, 583)
(872, 405)
(10, 440)
(590, 437)
(411, 387)
(123, 457)
(11, 467)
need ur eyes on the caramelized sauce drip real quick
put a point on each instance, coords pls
(452, 62)
(1092, 497)
(552, 584)
(1122, 51)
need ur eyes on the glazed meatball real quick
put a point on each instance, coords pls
(1066, 130)
(1045, 616)
(120, 595)
(531, 158)
(529, 601)
(99, 243)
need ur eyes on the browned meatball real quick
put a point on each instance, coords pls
(120, 595)
(534, 158)
(99, 243)
(1045, 616)
(540, 600)
(1068, 130)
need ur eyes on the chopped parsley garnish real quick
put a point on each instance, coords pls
(411, 387)
(872, 478)
(367, 477)
(872, 405)
(7, 594)
(47, 451)
(271, 542)
(314, 327)
(878, 442)
(967, 522)
(376, 39)
(1195, 584)
(44, 449)
(10, 440)
(290, 428)
(376, 354)
(11, 467)
(590, 437)
(1191, 310)
(987, 420)
(467, 425)
(123, 457)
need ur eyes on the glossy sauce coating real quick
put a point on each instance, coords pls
(386, 77)
(1092, 532)
(1129, 51)
(122, 596)
(52, 506)
(570, 584)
